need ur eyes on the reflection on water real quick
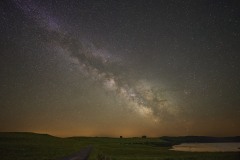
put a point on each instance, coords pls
(207, 147)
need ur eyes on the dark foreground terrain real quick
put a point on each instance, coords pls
(31, 146)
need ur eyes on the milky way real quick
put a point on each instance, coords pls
(164, 67)
(96, 65)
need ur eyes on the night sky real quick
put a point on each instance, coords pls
(129, 68)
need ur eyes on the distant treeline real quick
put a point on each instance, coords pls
(199, 139)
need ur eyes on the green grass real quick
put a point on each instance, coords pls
(26, 146)
(29, 146)
(147, 149)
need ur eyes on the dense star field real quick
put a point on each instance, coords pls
(111, 68)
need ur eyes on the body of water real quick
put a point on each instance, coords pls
(207, 147)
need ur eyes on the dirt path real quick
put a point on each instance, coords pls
(81, 155)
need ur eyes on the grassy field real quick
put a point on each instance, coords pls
(30, 146)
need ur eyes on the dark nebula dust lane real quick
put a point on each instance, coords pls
(118, 67)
